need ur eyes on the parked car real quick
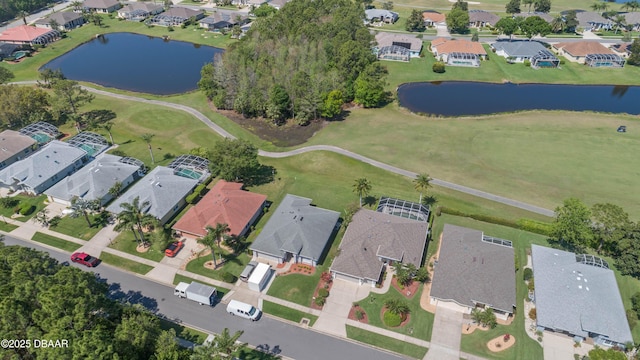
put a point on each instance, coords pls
(244, 276)
(85, 259)
(174, 248)
(622, 128)
(243, 310)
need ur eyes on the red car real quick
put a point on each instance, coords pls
(84, 259)
(173, 248)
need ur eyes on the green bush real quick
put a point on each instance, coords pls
(360, 314)
(54, 221)
(438, 67)
(320, 301)
(527, 63)
(229, 277)
(196, 193)
(522, 224)
(9, 202)
(527, 274)
(392, 320)
(323, 292)
(534, 226)
(26, 209)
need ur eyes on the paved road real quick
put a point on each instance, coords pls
(288, 340)
(33, 17)
(222, 132)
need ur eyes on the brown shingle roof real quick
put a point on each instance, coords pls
(225, 203)
(371, 234)
(464, 46)
(13, 142)
(388, 39)
(433, 16)
(583, 48)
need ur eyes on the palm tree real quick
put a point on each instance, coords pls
(23, 14)
(54, 24)
(227, 344)
(42, 218)
(82, 207)
(362, 187)
(213, 237)
(147, 138)
(77, 5)
(116, 189)
(134, 217)
(600, 6)
(397, 306)
(107, 126)
(421, 183)
(620, 21)
(557, 24)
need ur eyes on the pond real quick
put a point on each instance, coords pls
(474, 98)
(137, 63)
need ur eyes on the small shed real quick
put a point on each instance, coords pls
(260, 277)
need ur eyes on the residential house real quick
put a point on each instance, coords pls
(474, 270)
(7, 50)
(138, 11)
(29, 35)
(591, 53)
(92, 143)
(176, 16)
(14, 146)
(409, 42)
(94, 181)
(44, 168)
(433, 18)
(162, 190)
(622, 49)
(42, 132)
(226, 203)
(278, 4)
(593, 21)
(577, 295)
(297, 231)
(544, 16)
(222, 19)
(632, 19)
(374, 239)
(66, 21)
(517, 51)
(101, 6)
(381, 15)
(458, 52)
(480, 18)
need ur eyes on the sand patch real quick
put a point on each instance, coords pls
(501, 343)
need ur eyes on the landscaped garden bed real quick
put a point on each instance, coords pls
(358, 314)
(322, 291)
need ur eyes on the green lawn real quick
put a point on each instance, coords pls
(125, 264)
(127, 243)
(6, 227)
(37, 201)
(497, 6)
(233, 264)
(368, 337)
(296, 288)
(287, 313)
(184, 332)
(221, 292)
(420, 323)
(55, 242)
(77, 227)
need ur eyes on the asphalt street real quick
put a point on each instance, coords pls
(280, 337)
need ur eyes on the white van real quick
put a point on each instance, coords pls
(243, 310)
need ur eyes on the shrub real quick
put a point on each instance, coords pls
(359, 314)
(229, 277)
(534, 226)
(323, 292)
(391, 319)
(506, 337)
(438, 67)
(118, 152)
(632, 318)
(320, 301)
(54, 221)
(527, 274)
(8, 202)
(26, 209)
(196, 193)
(531, 286)
(527, 63)
(533, 314)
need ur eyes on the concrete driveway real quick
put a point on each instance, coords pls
(447, 333)
(557, 346)
(335, 312)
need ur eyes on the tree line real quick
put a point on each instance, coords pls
(302, 62)
(10, 9)
(45, 300)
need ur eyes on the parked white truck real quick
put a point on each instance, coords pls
(200, 293)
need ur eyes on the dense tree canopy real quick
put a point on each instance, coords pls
(234, 160)
(291, 61)
(415, 21)
(5, 75)
(535, 25)
(513, 7)
(22, 105)
(13, 8)
(634, 57)
(458, 20)
(543, 6)
(572, 226)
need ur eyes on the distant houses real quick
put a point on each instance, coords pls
(458, 52)
(433, 18)
(222, 19)
(66, 21)
(482, 18)
(381, 15)
(177, 16)
(593, 21)
(400, 47)
(138, 11)
(590, 53)
(101, 6)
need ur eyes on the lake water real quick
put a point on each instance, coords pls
(473, 98)
(137, 63)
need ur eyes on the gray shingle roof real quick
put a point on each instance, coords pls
(470, 270)
(224, 18)
(371, 234)
(297, 227)
(99, 4)
(519, 48)
(161, 188)
(632, 18)
(483, 16)
(576, 297)
(38, 168)
(586, 18)
(60, 17)
(93, 181)
(380, 13)
(13, 142)
(144, 6)
(183, 12)
(544, 16)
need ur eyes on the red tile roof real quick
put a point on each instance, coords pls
(23, 33)
(583, 48)
(225, 203)
(433, 16)
(463, 46)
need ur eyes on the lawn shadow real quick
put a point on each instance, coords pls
(132, 297)
(264, 175)
(369, 200)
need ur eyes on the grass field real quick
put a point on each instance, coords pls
(55, 242)
(36, 201)
(539, 157)
(77, 227)
(126, 264)
(6, 227)
(127, 243)
(497, 6)
(368, 337)
(287, 313)
(233, 264)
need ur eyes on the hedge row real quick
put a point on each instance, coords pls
(522, 224)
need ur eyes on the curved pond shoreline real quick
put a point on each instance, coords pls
(137, 63)
(464, 98)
